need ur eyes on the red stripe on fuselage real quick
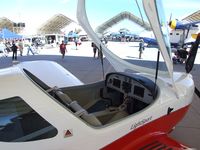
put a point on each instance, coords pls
(162, 125)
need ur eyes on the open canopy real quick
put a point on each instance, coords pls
(7, 34)
(150, 11)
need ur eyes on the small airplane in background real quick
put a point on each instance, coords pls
(178, 35)
(182, 32)
(122, 35)
(149, 39)
(151, 42)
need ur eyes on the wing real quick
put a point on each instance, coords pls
(174, 24)
(151, 142)
(191, 24)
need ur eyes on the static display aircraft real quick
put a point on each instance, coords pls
(174, 40)
(118, 36)
(43, 106)
(178, 35)
(151, 42)
(182, 32)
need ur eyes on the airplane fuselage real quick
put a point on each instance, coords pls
(179, 36)
(157, 114)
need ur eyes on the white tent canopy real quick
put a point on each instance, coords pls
(193, 17)
(54, 24)
(121, 16)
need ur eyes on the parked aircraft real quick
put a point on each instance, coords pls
(119, 36)
(43, 106)
(178, 35)
(182, 32)
(174, 40)
(151, 42)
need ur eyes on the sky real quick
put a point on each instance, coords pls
(35, 12)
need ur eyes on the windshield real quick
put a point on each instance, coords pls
(163, 25)
(125, 31)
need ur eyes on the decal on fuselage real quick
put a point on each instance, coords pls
(68, 133)
(141, 122)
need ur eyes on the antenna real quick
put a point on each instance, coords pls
(157, 66)
(170, 19)
(101, 57)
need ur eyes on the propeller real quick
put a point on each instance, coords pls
(170, 19)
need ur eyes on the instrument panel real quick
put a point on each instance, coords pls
(132, 85)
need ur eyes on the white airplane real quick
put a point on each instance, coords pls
(43, 106)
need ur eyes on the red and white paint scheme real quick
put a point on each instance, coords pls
(43, 106)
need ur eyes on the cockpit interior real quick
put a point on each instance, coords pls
(104, 102)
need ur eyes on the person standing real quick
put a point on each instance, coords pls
(94, 49)
(21, 47)
(63, 49)
(30, 49)
(14, 50)
(141, 48)
(76, 42)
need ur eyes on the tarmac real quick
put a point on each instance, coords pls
(81, 63)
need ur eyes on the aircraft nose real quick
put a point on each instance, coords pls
(172, 24)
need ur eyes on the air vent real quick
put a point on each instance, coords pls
(156, 145)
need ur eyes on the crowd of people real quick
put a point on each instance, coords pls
(22, 47)
(14, 46)
(17, 48)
